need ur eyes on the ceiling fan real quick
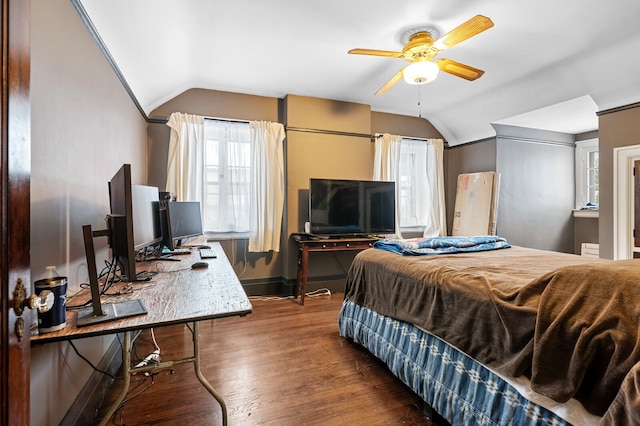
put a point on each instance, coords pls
(421, 48)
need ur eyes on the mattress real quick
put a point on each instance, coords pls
(565, 324)
(459, 388)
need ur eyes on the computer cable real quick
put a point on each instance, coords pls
(89, 362)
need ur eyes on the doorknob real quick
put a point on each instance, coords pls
(42, 302)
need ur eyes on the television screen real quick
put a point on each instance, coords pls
(351, 207)
(183, 219)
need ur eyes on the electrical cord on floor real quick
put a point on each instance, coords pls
(138, 393)
(315, 293)
(319, 292)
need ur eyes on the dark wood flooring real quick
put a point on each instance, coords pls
(284, 364)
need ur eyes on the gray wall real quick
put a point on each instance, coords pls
(84, 127)
(536, 194)
(537, 184)
(585, 231)
(468, 158)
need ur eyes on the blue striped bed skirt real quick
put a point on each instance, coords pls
(461, 390)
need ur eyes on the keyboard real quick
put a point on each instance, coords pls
(207, 254)
(178, 251)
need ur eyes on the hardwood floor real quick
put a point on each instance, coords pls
(281, 365)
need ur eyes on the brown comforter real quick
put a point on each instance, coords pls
(567, 322)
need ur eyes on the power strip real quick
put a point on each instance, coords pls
(152, 358)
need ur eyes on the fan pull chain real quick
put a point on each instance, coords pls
(420, 101)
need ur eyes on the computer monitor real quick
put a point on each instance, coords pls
(181, 220)
(133, 222)
(146, 216)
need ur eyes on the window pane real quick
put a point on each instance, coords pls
(227, 185)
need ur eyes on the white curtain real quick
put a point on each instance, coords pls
(386, 165)
(186, 150)
(267, 186)
(425, 167)
(437, 225)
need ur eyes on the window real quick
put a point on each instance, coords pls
(416, 166)
(227, 174)
(587, 173)
(412, 171)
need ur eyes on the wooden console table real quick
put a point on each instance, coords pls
(176, 295)
(308, 244)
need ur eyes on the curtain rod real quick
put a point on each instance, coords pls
(233, 120)
(288, 128)
(330, 132)
(379, 135)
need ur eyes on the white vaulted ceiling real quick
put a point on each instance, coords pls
(549, 65)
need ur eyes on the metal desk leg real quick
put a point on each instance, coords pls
(203, 380)
(126, 362)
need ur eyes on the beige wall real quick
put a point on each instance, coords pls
(208, 103)
(403, 125)
(325, 138)
(84, 127)
(254, 269)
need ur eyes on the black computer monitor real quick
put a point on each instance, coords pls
(181, 220)
(134, 221)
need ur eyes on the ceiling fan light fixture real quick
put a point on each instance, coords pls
(420, 72)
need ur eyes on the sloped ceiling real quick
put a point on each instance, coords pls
(548, 64)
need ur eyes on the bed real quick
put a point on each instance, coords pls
(503, 336)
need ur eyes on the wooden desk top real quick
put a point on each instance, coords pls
(176, 295)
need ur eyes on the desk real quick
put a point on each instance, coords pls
(178, 295)
(306, 245)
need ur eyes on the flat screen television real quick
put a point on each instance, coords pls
(180, 220)
(351, 207)
(134, 222)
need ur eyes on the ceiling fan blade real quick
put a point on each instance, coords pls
(459, 70)
(468, 29)
(373, 52)
(393, 80)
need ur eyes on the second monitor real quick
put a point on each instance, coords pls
(180, 220)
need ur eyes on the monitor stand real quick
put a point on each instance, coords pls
(111, 312)
(98, 313)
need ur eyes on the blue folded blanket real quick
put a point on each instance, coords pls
(442, 245)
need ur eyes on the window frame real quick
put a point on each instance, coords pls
(411, 187)
(222, 234)
(583, 150)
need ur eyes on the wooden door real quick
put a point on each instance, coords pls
(636, 208)
(15, 171)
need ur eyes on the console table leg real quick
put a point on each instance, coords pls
(203, 380)
(305, 270)
(299, 275)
